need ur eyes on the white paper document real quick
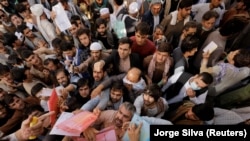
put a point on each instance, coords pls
(210, 47)
(61, 20)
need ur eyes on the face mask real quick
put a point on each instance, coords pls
(141, 85)
(21, 66)
(194, 86)
(205, 29)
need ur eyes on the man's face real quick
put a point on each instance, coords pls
(155, 9)
(3, 112)
(122, 116)
(3, 50)
(4, 2)
(69, 53)
(158, 33)
(25, 13)
(161, 56)
(73, 29)
(51, 66)
(96, 54)
(16, 20)
(124, 50)
(102, 30)
(193, 51)
(185, 12)
(216, 3)
(140, 39)
(106, 17)
(62, 79)
(84, 39)
(199, 82)
(115, 95)
(17, 104)
(28, 75)
(3, 16)
(148, 100)
(189, 31)
(34, 59)
(2, 94)
(7, 78)
(209, 24)
(240, 5)
(43, 44)
(98, 74)
(28, 33)
(84, 91)
(99, 2)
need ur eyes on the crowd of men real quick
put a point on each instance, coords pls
(172, 62)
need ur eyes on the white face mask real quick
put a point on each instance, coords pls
(141, 85)
(205, 29)
(194, 86)
(21, 66)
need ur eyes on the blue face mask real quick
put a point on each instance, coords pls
(194, 86)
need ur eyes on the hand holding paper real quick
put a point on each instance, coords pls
(210, 47)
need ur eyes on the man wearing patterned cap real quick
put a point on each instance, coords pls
(154, 15)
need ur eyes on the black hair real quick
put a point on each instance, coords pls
(154, 91)
(82, 31)
(62, 70)
(185, 3)
(18, 74)
(143, 28)
(9, 38)
(66, 46)
(56, 42)
(26, 54)
(22, 27)
(165, 47)
(118, 2)
(203, 111)
(206, 77)
(36, 88)
(83, 82)
(189, 43)
(210, 14)
(4, 69)
(126, 40)
(20, 7)
(232, 26)
(242, 58)
(118, 85)
(99, 22)
(9, 98)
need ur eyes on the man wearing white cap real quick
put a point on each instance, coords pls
(47, 29)
(105, 14)
(131, 19)
(96, 55)
(154, 15)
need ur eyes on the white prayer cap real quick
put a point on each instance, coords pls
(37, 9)
(95, 46)
(104, 11)
(133, 8)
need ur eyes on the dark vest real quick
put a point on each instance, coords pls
(174, 89)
